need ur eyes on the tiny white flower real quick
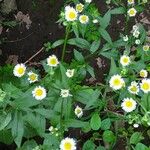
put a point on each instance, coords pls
(84, 19)
(145, 85)
(128, 104)
(95, 21)
(68, 144)
(70, 73)
(32, 77)
(52, 61)
(134, 88)
(125, 60)
(19, 70)
(70, 13)
(132, 12)
(65, 93)
(88, 1)
(78, 111)
(56, 134)
(135, 27)
(137, 41)
(135, 125)
(143, 73)
(130, 2)
(146, 48)
(125, 38)
(136, 33)
(51, 128)
(79, 7)
(39, 93)
(116, 82)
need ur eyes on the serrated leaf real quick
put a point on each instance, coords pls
(95, 121)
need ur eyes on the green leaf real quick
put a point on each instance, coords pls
(106, 123)
(119, 10)
(5, 122)
(78, 56)
(141, 146)
(108, 136)
(100, 148)
(90, 70)
(94, 46)
(57, 43)
(28, 145)
(105, 35)
(113, 68)
(88, 145)
(136, 138)
(95, 121)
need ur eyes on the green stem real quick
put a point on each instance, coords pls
(65, 42)
(61, 118)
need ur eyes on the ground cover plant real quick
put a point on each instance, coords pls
(91, 88)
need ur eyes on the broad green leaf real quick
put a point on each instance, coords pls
(95, 121)
(78, 56)
(88, 145)
(28, 145)
(106, 123)
(90, 70)
(119, 10)
(57, 43)
(105, 35)
(5, 122)
(108, 136)
(94, 46)
(136, 138)
(141, 146)
(113, 68)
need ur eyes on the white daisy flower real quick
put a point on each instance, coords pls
(134, 88)
(84, 19)
(136, 33)
(143, 73)
(125, 38)
(19, 70)
(135, 125)
(146, 48)
(132, 12)
(125, 60)
(130, 2)
(137, 42)
(88, 1)
(116, 82)
(70, 13)
(79, 7)
(32, 77)
(70, 73)
(78, 111)
(65, 93)
(68, 144)
(128, 104)
(145, 85)
(95, 21)
(52, 61)
(39, 93)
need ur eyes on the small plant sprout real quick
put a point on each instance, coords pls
(130, 2)
(128, 104)
(125, 38)
(70, 73)
(116, 82)
(145, 85)
(78, 112)
(125, 60)
(146, 48)
(68, 144)
(65, 93)
(84, 19)
(143, 73)
(134, 88)
(32, 77)
(52, 61)
(132, 12)
(19, 70)
(79, 7)
(39, 93)
(70, 14)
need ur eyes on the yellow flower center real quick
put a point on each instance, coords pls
(145, 86)
(130, 1)
(128, 104)
(53, 61)
(21, 70)
(72, 15)
(133, 88)
(142, 74)
(39, 92)
(125, 60)
(84, 18)
(79, 8)
(67, 146)
(146, 48)
(132, 12)
(117, 82)
(78, 111)
(32, 77)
